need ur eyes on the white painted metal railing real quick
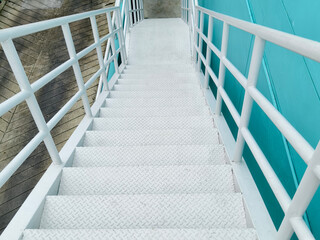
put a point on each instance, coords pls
(120, 17)
(131, 14)
(293, 208)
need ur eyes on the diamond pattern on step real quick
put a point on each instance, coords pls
(149, 155)
(154, 111)
(134, 234)
(152, 123)
(199, 136)
(144, 211)
(155, 94)
(146, 180)
(157, 86)
(154, 102)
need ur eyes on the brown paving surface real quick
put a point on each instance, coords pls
(39, 54)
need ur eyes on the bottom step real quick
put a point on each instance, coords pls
(150, 234)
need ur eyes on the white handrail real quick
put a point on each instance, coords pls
(28, 90)
(125, 15)
(295, 208)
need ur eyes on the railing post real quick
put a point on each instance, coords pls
(142, 9)
(24, 84)
(195, 33)
(200, 41)
(222, 68)
(303, 196)
(113, 46)
(134, 8)
(76, 68)
(99, 51)
(121, 38)
(256, 60)
(130, 12)
(208, 55)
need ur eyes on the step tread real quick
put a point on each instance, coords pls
(155, 111)
(156, 87)
(155, 94)
(149, 155)
(223, 210)
(133, 234)
(152, 122)
(155, 102)
(201, 136)
(146, 180)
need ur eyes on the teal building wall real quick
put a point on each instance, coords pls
(289, 81)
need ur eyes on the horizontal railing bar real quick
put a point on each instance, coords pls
(211, 73)
(302, 147)
(62, 112)
(301, 229)
(19, 31)
(90, 48)
(272, 178)
(232, 109)
(93, 78)
(211, 45)
(235, 72)
(19, 159)
(135, 10)
(51, 75)
(213, 76)
(112, 57)
(13, 101)
(185, 8)
(302, 46)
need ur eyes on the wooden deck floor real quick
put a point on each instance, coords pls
(39, 54)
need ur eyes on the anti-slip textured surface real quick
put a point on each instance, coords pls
(152, 123)
(135, 234)
(151, 165)
(167, 155)
(146, 180)
(223, 210)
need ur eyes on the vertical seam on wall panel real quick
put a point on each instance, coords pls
(304, 59)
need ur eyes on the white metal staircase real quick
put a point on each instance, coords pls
(152, 166)
(151, 158)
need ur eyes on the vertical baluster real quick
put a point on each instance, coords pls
(222, 68)
(208, 54)
(130, 12)
(99, 51)
(121, 38)
(134, 8)
(113, 46)
(195, 34)
(142, 6)
(76, 68)
(307, 188)
(256, 59)
(200, 41)
(24, 84)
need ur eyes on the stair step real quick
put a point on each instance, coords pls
(132, 70)
(155, 111)
(146, 180)
(161, 67)
(133, 79)
(154, 102)
(200, 136)
(156, 86)
(152, 123)
(163, 75)
(156, 94)
(223, 210)
(134, 234)
(149, 155)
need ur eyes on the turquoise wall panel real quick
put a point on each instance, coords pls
(289, 81)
